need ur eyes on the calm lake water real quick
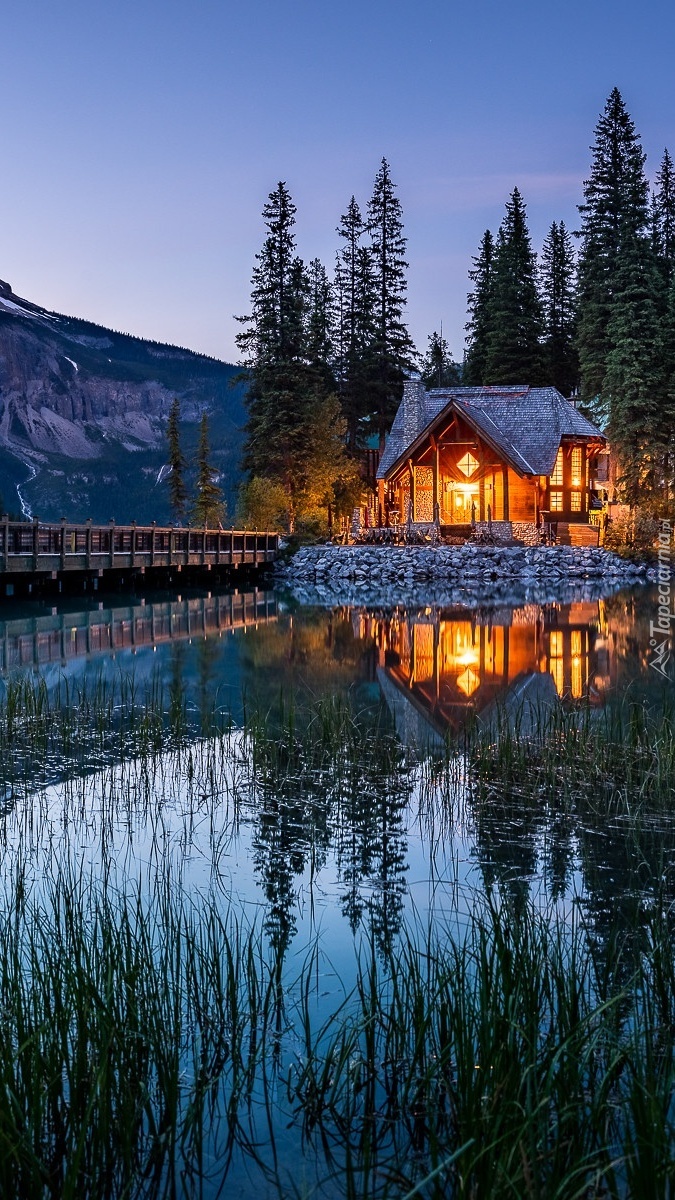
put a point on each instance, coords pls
(423, 672)
(317, 863)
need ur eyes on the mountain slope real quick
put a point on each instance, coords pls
(83, 414)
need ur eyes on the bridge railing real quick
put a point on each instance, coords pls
(42, 546)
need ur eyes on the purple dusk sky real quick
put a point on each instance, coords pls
(140, 139)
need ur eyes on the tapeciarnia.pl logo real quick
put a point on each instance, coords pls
(661, 630)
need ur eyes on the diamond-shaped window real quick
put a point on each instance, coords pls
(468, 681)
(468, 464)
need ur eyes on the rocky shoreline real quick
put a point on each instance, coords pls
(447, 575)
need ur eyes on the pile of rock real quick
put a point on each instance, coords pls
(371, 574)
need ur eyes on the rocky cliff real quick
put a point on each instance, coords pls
(83, 414)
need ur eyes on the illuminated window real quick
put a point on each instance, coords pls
(577, 467)
(557, 474)
(576, 501)
(468, 681)
(556, 643)
(556, 665)
(556, 501)
(468, 464)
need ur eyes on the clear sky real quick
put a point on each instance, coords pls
(140, 139)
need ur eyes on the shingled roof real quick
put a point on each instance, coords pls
(524, 424)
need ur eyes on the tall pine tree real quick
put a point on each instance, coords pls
(392, 350)
(354, 285)
(614, 219)
(209, 506)
(557, 280)
(294, 434)
(437, 368)
(621, 306)
(177, 464)
(663, 221)
(514, 341)
(273, 344)
(478, 303)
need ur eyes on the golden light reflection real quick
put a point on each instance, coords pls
(453, 663)
(468, 681)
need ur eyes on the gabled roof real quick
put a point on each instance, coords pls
(523, 424)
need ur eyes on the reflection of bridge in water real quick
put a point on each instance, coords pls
(60, 637)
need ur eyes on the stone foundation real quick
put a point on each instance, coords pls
(501, 531)
(526, 532)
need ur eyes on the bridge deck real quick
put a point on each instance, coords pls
(38, 548)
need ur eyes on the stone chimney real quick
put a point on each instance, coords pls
(414, 414)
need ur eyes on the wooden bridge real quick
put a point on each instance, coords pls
(41, 551)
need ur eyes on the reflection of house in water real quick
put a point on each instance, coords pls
(450, 667)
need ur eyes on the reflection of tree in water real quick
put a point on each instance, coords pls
(517, 838)
(604, 812)
(371, 845)
(307, 656)
(206, 682)
(322, 789)
(176, 683)
(291, 831)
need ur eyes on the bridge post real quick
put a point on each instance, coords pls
(112, 543)
(88, 543)
(63, 543)
(5, 543)
(133, 543)
(152, 544)
(36, 543)
(204, 545)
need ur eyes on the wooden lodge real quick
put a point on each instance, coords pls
(515, 456)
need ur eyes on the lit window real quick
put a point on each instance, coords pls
(577, 467)
(556, 664)
(556, 502)
(468, 681)
(557, 475)
(576, 501)
(468, 464)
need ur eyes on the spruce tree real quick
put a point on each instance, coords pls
(437, 367)
(209, 506)
(355, 291)
(634, 380)
(557, 280)
(622, 306)
(614, 220)
(663, 218)
(514, 341)
(273, 346)
(320, 322)
(294, 437)
(392, 350)
(478, 303)
(177, 464)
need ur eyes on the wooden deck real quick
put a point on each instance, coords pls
(41, 549)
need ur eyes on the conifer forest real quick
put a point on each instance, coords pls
(325, 349)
